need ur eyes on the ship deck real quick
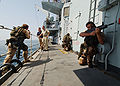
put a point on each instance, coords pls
(58, 68)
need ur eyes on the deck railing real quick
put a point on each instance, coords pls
(11, 66)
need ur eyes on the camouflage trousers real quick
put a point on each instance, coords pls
(11, 52)
(45, 43)
(90, 53)
(66, 46)
(41, 43)
(82, 47)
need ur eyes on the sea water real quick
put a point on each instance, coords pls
(3, 48)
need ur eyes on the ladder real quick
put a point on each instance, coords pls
(92, 11)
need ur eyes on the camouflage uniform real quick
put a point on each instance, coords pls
(92, 42)
(67, 42)
(82, 47)
(14, 43)
(45, 39)
(93, 37)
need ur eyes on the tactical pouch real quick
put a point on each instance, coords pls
(91, 40)
(13, 41)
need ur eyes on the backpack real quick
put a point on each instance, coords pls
(16, 31)
(18, 34)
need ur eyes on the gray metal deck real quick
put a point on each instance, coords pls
(58, 68)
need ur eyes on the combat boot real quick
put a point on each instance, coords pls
(25, 55)
(90, 65)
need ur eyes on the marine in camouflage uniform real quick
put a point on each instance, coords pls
(82, 48)
(93, 36)
(67, 42)
(17, 37)
(45, 34)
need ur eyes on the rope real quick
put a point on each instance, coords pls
(3, 27)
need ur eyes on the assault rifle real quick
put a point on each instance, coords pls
(104, 26)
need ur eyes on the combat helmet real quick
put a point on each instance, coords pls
(25, 26)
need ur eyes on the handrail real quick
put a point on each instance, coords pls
(9, 73)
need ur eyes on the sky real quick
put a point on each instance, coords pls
(18, 12)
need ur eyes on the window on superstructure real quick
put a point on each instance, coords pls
(68, 0)
(66, 12)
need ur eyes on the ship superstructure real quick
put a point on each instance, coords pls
(57, 67)
(109, 52)
(73, 16)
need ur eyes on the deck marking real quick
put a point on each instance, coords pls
(64, 52)
(42, 80)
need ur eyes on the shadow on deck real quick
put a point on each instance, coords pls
(94, 77)
(37, 63)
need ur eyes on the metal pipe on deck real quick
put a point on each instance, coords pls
(78, 26)
(31, 47)
(113, 42)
